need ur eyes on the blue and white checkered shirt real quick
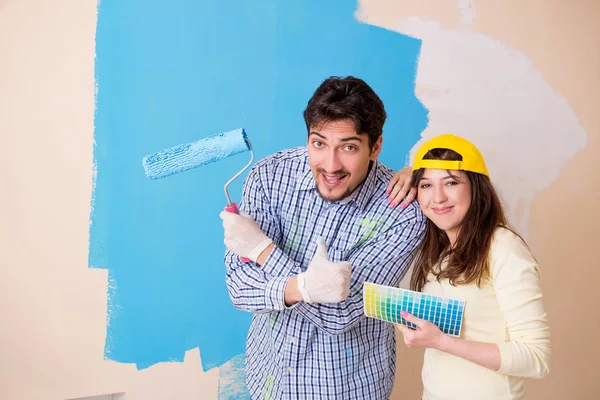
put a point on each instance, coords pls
(320, 351)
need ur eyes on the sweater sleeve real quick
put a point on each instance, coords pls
(516, 280)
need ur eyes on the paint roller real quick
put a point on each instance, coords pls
(196, 154)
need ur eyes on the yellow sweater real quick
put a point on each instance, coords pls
(508, 311)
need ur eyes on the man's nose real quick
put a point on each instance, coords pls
(332, 162)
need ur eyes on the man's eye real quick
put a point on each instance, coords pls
(350, 148)
(317, 144)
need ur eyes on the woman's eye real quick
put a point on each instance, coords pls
(424, 186)
(451, 183)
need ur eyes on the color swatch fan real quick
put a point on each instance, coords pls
(386, 303)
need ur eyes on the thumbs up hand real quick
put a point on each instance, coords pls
(325, 281)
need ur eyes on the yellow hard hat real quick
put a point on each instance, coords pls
(472, 160)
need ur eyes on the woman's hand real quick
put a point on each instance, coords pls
(427, 335)
(399, 188)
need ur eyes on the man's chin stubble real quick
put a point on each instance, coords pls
(333, 199)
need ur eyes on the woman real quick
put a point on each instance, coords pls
(469, 253)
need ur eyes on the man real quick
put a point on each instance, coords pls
(319, 224)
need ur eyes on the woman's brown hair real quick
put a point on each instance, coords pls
(468, 259)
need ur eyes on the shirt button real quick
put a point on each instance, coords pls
(290, 369)
(293, 340)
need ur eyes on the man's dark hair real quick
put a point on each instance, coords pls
(347, 98)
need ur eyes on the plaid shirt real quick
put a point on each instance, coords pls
(320, 351)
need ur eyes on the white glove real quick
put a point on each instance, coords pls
(243, 236)
(325, 281)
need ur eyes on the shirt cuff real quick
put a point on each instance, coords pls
(275, 293)
(506, 358)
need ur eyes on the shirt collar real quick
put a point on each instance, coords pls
(360, 196)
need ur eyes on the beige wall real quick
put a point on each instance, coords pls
(54, 307)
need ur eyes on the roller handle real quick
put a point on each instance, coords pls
(233, 208)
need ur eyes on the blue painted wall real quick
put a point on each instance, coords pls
(170, 72)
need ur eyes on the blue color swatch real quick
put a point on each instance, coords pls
(386, 303)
